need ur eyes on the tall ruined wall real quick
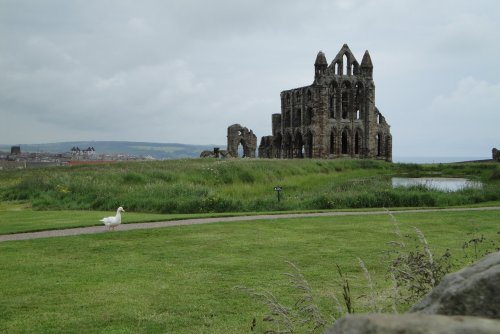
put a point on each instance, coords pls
(334, 117)
(495, 154)
(236, 135)
(266, 147)
(276, 123)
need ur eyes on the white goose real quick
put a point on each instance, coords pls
(114, 221)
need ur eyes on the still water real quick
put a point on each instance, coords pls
(438, 183)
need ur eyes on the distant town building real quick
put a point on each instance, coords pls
(15, 150)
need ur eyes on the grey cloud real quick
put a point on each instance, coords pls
(184, 70)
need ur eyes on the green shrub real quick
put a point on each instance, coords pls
(495, 175)
(133, 177)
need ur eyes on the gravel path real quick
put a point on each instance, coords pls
(141, 226)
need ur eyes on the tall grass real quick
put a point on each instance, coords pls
(210, 185)
(412, 269)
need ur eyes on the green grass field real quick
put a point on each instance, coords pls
(241, 185)
(183, 279)
(19, 217)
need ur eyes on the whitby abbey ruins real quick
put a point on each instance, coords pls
(334, 117)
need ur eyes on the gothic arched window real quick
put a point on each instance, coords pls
(356, 143)
(345, 105)
(345, 143)
(332, 142)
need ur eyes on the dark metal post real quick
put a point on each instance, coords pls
(278, 191)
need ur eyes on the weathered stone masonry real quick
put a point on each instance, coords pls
(236, 135)
(334, 117)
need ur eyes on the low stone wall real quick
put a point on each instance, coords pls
(9, 165)
(6, 165)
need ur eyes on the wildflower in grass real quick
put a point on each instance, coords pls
(62, 189)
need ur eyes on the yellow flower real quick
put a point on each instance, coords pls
(62, 189)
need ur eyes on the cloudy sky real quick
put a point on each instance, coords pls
(183, 71)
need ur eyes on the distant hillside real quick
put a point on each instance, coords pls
(156, 150)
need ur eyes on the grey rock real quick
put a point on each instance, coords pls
(472, 291)
(413, 324)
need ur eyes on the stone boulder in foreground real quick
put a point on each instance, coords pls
(413, 324)
(474, 291)
(465, 302)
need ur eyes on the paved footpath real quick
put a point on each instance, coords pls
(141, 226)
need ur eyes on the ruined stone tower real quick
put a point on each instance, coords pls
(236, 135)
(335, 117)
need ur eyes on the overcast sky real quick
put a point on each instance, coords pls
(183, 71)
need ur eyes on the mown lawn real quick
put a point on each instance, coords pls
(18, 217)
(183, 279)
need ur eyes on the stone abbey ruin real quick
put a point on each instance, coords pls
(334, 117)
(236, 135)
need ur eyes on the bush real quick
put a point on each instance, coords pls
(134, 178)
(495, 175)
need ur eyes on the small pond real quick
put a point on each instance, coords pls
(437, 183)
